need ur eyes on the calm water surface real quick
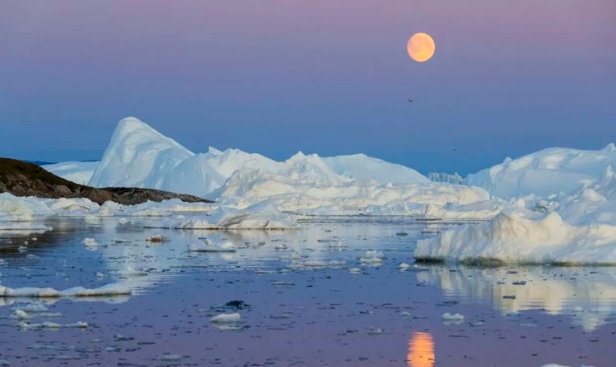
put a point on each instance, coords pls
(304, 307)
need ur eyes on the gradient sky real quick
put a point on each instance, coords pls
(321, 76)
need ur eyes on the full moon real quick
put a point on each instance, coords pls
(421, 47)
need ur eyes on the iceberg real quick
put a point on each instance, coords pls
(522, 237)
(77, 172)
(364, 168)
(138, 156)
(544, 173)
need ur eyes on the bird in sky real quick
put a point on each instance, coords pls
(410, 100)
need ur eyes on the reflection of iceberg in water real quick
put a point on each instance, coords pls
(421, 350)
(588, 295)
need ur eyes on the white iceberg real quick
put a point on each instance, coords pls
(514, 236)
(546, 172)
(77, 172)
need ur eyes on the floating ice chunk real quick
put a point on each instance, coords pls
(107, 290)
(354, 270)
(33, 307)
(22, 315)
(375, 331)
(100, 275)
(207, 247)
(22, 249)
(171, 358)
(404, 266)
(90, 243)
(51, 325)
(372, 258)
(515, 237)
(226, 318)
(4, 363)
(232, 318)
(455, 317)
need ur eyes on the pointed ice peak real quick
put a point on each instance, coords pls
(136, 131)
(138, 156)
(507, 160)
(131, 124)
(214, 151)
(610, 148)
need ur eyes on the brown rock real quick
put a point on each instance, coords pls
(25, 179)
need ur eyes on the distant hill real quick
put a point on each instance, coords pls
(28, 179)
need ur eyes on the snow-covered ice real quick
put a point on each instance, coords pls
(546, 172)
(78, 172)
(516, 236)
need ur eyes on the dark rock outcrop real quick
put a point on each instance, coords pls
(26, 179)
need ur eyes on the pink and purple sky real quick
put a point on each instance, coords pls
(321, 76)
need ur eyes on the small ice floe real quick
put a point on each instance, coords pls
(4, 363)
(33, 239)
(33, 307)
(51, 325)
(452, 317)
(372, 258)
(22, 249)
(315, 264)
(354, 271)
(107, 290)
(157, 239)
(170, 358)
(404, 267)
(21, 315)
(280, 247)
(283, 284)
(405, 314)
(225, 318)
(207, 247)
(338, 246)
(123, 338)
(375, 331)
(477, 323)
(100, 275)
(90, 243)
(578, 309)
(226, 321)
